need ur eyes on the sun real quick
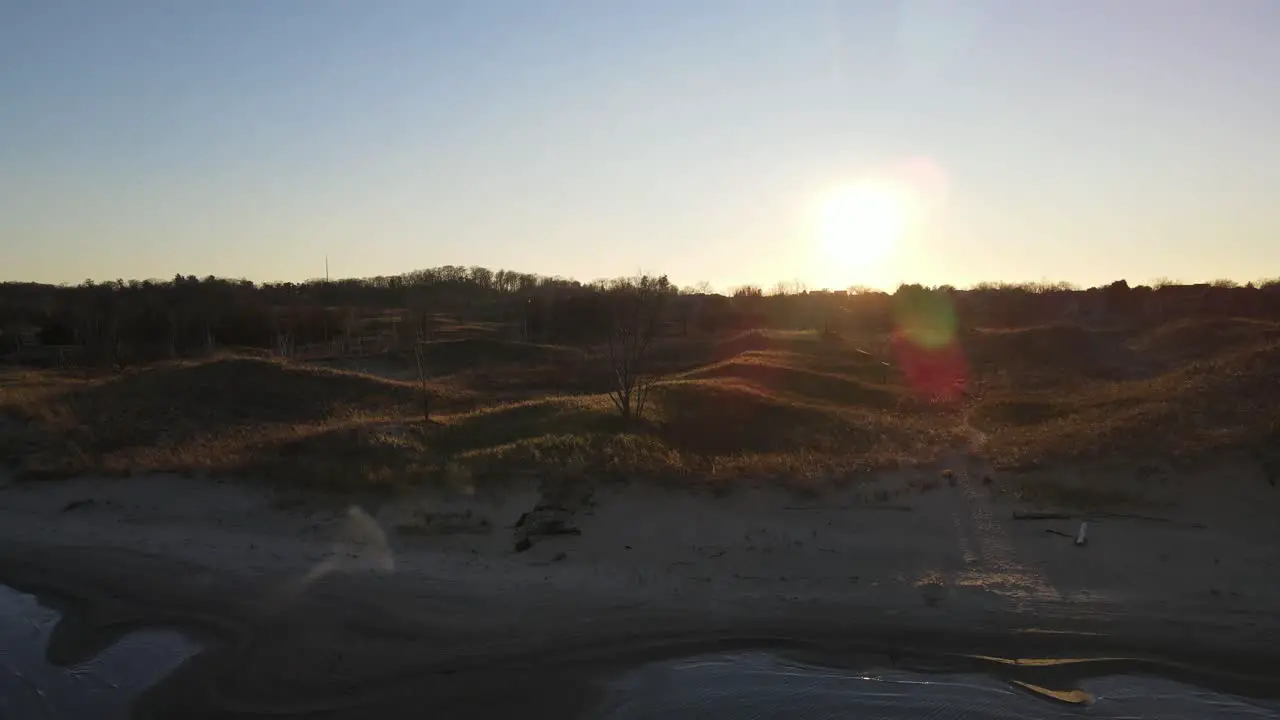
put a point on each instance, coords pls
(861, 223)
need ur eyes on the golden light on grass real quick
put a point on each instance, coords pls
(860, 223)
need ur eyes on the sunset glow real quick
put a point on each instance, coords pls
(860, 224)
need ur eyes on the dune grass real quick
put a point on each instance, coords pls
(787, 406)
(447, 356)
(1231, 401)
(213, 415)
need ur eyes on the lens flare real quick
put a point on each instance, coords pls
(926, 344)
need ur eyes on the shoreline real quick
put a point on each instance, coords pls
(566, 670)
(465, 623)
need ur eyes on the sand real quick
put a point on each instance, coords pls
(345, 609)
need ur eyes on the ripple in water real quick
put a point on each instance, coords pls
(103, 687)
(763, 687)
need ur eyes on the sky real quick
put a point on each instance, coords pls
(712, 140)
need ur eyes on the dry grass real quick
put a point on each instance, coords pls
(450, 356)
(767, 405)
(1203, 407)
(1050, 357)
(1190, 339)
(228, 414)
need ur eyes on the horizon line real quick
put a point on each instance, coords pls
(791, 287)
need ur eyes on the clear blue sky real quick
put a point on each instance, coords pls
(1080, 140)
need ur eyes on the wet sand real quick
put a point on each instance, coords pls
(103, 688)
(766, 686)
(375, 612)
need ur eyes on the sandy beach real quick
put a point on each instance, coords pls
(390, 605)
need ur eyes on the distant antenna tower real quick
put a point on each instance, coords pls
(326, 268)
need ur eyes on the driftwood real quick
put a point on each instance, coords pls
(1151, 518)
(543, 521)
(1038, 515)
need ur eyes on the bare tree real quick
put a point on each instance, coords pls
(285, 339)
(636, 306)
(284, 344)
(350, 329)
(100, 336)
(419, 320)
(174, 315)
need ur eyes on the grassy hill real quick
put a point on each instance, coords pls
(793, 406)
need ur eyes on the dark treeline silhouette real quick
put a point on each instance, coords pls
(118, 322)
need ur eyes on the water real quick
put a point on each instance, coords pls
(755, 685)
(763, 686)
(103, 687)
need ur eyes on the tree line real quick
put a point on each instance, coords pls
(136, 321)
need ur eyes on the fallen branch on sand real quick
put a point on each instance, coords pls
(1039, 515)
(1151, 518)
(76, 504)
